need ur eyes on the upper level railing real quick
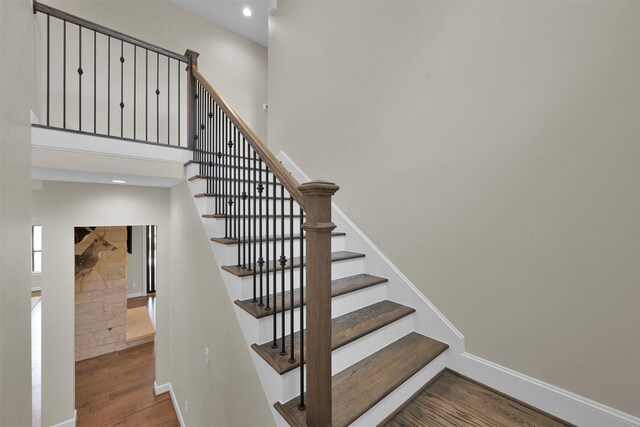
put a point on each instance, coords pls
(104, 82)
(281, 229)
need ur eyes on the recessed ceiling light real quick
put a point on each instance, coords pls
(118, 181)
(246, 12)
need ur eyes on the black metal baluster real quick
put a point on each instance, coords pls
(168, 101)
(157, 97)
(135, 87)
(109, 86)
(228, 173)
(95, 83)
(257, 199)
(283, 263)
(80, 72)
(236, 175)
(64, 74)
(219, 168)
(292, 358)
(266, 221)
(244, 205)
(48, 67)
(275, 268)
(211, 138)
(121, 88)
(301, 405)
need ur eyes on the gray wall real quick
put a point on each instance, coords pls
(59, 207)
(16, 41)
(505, 137)
(227, 390)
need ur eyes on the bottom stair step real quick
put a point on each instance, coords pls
(361, 386)
(344, 329)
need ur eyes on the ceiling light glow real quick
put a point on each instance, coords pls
(118, 181)
(246, 12)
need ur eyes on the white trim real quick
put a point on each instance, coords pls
(70, 422)
(136, 295)
(564, 404)
(36, 288)
(54, 139)
(164, 388)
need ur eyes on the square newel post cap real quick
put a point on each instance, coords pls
(193, 56)
(318, 188)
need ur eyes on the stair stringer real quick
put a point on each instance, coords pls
(427, 319)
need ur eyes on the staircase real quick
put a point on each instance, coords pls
(375, 349)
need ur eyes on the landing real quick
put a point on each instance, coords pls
(452, 400)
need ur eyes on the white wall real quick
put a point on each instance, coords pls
(227, 390)
(234, 65)
(59, 207)
(136, 263)
(16, 41)
(504, 135)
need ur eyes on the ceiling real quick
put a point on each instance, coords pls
(228, 14)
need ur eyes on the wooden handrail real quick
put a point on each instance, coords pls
(57, 13)
(285, 177)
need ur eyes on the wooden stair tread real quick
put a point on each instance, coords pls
(339, 287)
(278, 237)
(358, 388)
(450, 399)
(335, 257)
(344, 329)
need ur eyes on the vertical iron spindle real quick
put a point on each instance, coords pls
(283, 262)
(80, 78)
(301, 405)
(292, 358)
(121, 88)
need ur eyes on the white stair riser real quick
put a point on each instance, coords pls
(350, 354)
(228, 186)
(358, 300)
(230, 252)
(221, 170)
(338, 270)
(217, 205)
(216, 226)
(404, 392)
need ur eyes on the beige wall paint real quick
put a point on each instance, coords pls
(506, 135)
(16, 41)
(227, 391)
(59, 207)
(234, 65)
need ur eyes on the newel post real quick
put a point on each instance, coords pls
(318, 226)
(191, 88)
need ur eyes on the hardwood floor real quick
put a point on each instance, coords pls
(116, 389)
(36, 364)
(452, 400)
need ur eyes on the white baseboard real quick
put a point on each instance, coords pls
(561, 403)
(164, 388)
(70, 422)
(136, 295)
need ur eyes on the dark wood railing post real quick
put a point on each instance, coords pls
(318, 226)
(191, 87)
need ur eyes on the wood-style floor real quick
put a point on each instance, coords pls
(116, 389)
(119, 384)
(452, 400)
